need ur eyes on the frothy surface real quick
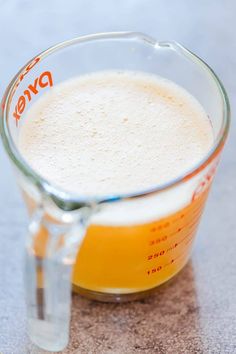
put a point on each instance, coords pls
(114, 132)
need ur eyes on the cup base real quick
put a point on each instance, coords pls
(120, 298)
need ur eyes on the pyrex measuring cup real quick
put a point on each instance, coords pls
(119, 247)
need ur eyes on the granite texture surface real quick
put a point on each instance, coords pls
(195, 312)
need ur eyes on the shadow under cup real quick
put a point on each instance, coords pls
(119, 247)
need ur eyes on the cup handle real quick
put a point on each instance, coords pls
(51, 251)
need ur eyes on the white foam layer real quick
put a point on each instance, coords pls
(114, 132)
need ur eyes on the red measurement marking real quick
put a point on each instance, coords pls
(161, 267)
(154, 270)
(193, 222)
(192, 212)
(206, 180)
(181, 255)
(167, 264)
(164, 225)
(157, 240)
(191, 226)
(156, 255)
(172, 247)
(173, 260)
(179, 242)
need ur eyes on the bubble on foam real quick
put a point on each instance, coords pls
(110, 133)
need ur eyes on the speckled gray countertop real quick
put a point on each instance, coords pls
(195, 312)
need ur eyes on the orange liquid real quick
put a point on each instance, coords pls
(129, 259)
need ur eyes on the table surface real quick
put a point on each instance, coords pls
(195, 312)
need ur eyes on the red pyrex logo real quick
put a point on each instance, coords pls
(43, 80)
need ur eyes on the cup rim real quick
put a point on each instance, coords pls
(63, 197)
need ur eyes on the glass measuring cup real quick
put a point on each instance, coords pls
(133, 242)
